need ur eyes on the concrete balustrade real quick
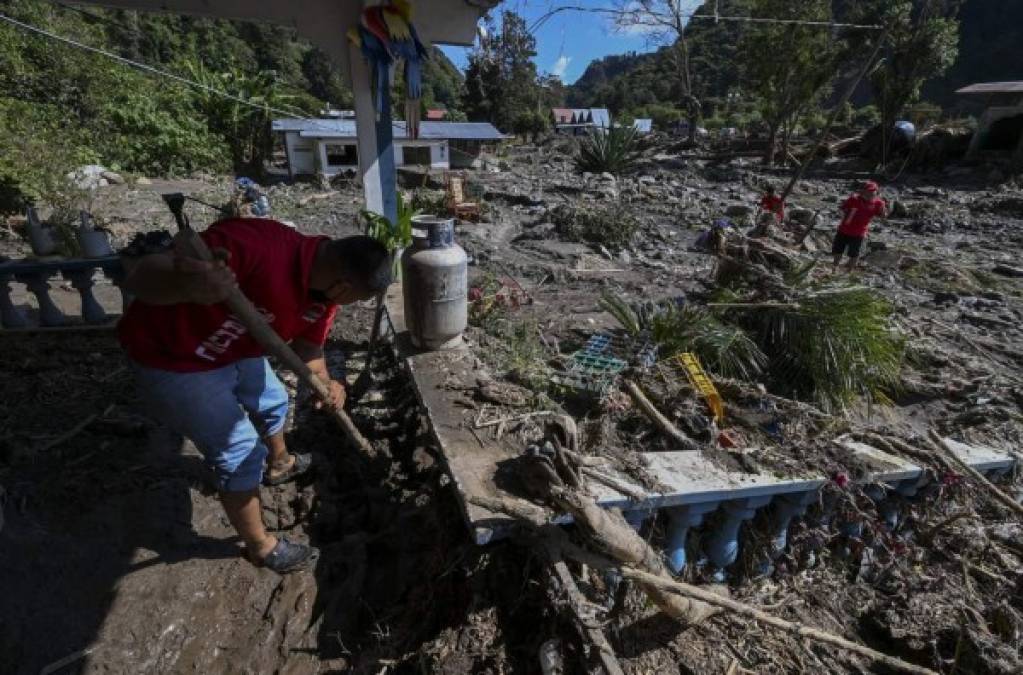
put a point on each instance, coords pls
(696, 493)
(35, 276)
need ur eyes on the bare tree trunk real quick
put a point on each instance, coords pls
(786, 134)
(772, 139)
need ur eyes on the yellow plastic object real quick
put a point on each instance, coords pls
(698, 378)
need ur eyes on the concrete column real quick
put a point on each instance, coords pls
(81, 280)
(38, 284)
(376, 142)
(10, 315)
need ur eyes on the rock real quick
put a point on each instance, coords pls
(800, 215)
(88, 177)
(1008, 270)
(625, 257)
(899, 210)
(738, 210)
(647, 180)
(945, 298)
(609, 177)
(143, 181)
(113, 177)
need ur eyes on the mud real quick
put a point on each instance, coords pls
(117, 555)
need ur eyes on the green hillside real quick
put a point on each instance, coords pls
(61, 106)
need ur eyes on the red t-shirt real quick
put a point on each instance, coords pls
(773, 204)
(858, 214)
(271, 262)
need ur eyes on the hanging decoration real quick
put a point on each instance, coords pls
(385, 33)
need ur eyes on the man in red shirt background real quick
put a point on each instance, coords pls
(772, 203)
(859, 209)
(203, 376)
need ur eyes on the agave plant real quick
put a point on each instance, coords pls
(614, 150)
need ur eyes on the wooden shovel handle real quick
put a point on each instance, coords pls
(267, 337)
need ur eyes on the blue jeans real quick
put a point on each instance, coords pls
(226, 412)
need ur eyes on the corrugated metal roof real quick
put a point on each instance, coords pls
(464, 131)
(600, 117)
(993, 88)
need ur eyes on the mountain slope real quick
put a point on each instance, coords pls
(989, 50)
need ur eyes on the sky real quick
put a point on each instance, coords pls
(568, 41)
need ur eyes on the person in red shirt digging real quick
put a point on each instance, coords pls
(203, 376)
(860, 208)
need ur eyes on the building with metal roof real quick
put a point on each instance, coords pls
(580, 120)
(330, 147)
(1000, 127)
(643, 125)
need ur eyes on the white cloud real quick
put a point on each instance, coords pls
(560, 66)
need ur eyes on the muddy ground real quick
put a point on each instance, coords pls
(117, 557)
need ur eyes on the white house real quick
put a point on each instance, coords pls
(330, 146)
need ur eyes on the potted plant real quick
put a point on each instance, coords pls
(394, 236)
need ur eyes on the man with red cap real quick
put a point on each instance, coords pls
(860, 208)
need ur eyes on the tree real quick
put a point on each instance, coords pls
(501, 83)
(788, 67)
(665, 22)
(922, 43)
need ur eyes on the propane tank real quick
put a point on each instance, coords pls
(434, 284)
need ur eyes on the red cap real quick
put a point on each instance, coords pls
(870, 186)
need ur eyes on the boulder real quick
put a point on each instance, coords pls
(738, 210)
(88, 177)
(113, 177)
(800, 215)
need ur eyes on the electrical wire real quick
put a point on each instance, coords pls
(144, 67)
(653, 24)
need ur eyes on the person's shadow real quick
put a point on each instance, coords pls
(77, 522)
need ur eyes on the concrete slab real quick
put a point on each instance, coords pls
(692, 479)
(980, 457)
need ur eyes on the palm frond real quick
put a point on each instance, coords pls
(831, 345)
(616, 306)
(723, 349)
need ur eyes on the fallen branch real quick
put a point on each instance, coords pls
(792, 627)
(614, 484)
(561, 580)
(1000, 496)
(513, 418)
(625, 551)
(75, 430)
(655, 416)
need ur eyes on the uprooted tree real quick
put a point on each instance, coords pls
(922, 43)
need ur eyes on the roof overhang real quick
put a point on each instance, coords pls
(992, 88)
(324, 22)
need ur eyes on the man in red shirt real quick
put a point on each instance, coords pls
(859, 210)
(772, 203)
(202, 374)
